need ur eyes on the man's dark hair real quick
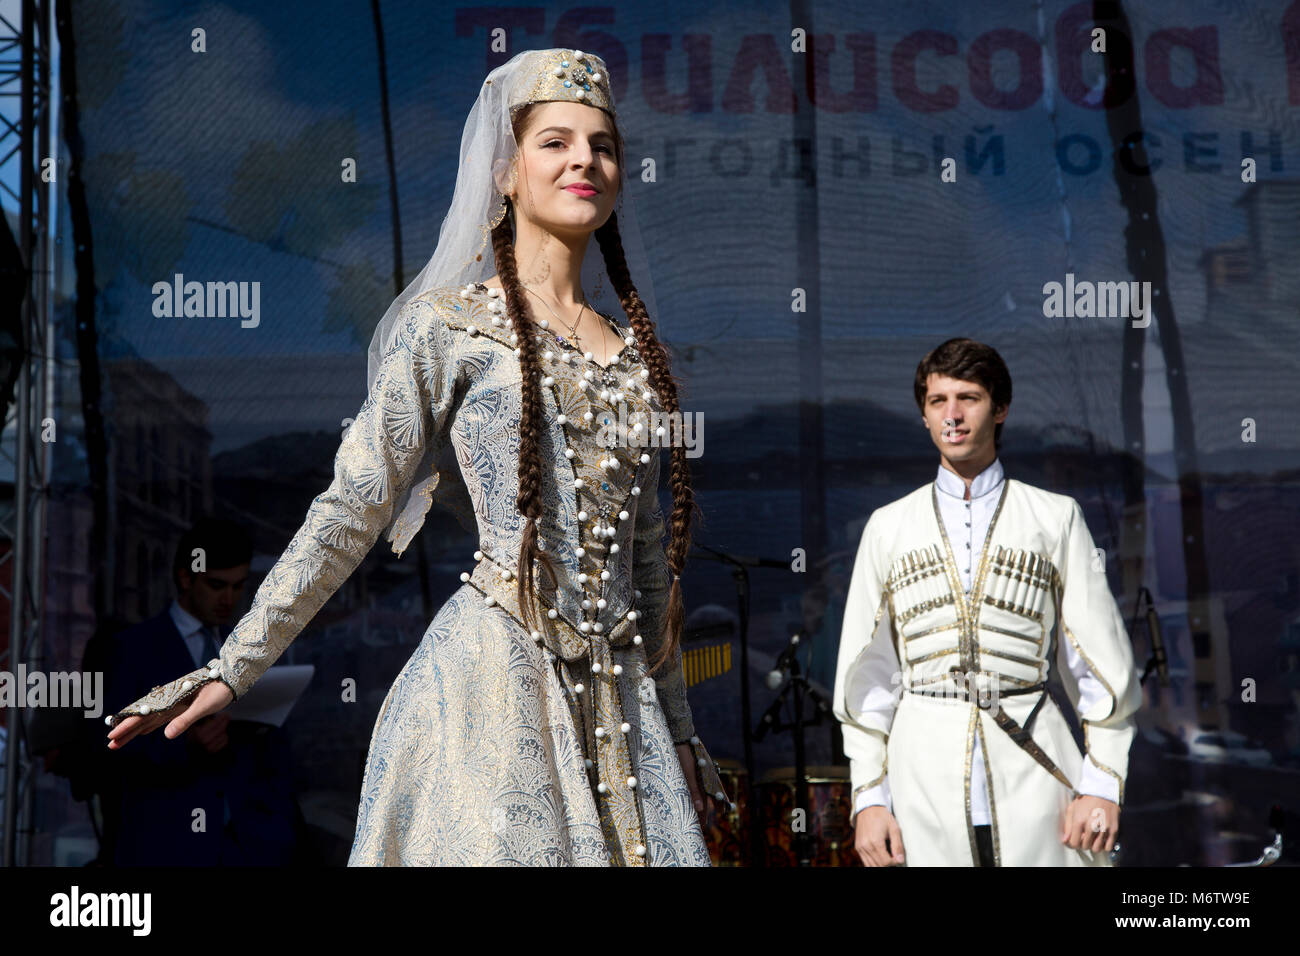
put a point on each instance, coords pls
(969, 361)
(224, 543)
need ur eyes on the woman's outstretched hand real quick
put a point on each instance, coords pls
(212, 697)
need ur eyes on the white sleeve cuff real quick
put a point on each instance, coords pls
(877, 796)
(1096, 782)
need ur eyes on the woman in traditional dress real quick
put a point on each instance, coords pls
(543, 718)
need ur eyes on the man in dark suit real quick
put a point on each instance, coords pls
(222, 794)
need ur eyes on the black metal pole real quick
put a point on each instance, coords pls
(802, 842)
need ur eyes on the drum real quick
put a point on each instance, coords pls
(827, 819)
(726, 829)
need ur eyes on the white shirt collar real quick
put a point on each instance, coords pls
(186, 622)
(986, 482)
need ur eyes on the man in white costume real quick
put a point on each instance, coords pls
(958, 755)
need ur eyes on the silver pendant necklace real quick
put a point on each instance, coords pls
(573, 330)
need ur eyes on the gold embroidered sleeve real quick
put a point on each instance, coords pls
(407, 409)
(1091, 621)
(164, 697)
(859, 677)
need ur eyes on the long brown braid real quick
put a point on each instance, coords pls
(529, 501)
(654, 355)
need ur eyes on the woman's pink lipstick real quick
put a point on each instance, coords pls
(580, 189)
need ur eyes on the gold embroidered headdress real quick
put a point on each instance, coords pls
(568, 75)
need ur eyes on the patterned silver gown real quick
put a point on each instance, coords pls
(499, 744)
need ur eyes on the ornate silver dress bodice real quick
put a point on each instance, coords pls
(452, 375)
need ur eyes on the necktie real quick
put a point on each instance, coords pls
(209, 650)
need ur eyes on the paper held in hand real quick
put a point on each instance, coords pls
(270, 700)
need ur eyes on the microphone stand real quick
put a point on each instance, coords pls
(1273, 852)
(1158, 660)
(740, 575)
(797, 688)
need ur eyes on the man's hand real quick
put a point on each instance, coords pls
(212, 697)
(687, 759)
(1091, 823)
(210, 732)
(872, 828)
